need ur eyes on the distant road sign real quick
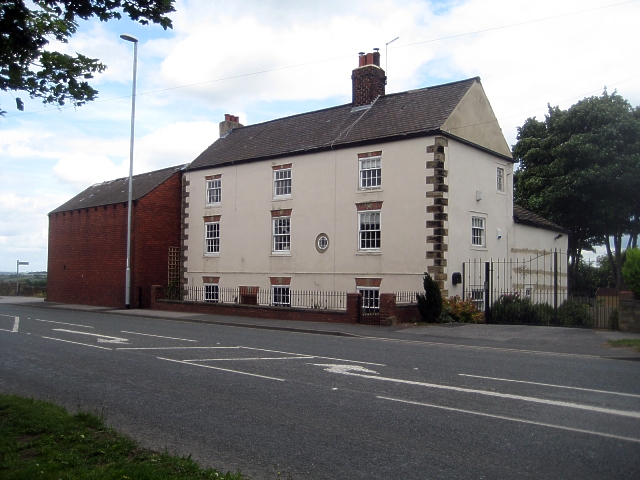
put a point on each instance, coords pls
(23, 263)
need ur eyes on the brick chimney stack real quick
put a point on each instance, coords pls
(230, 122)
(368, 79)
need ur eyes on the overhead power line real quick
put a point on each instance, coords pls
(288, 67)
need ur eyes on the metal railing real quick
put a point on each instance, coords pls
(312, 299)
(406, 297)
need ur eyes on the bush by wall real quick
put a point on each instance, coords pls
(455, 309)
(430, 304)
(511, 308)
(574, 314)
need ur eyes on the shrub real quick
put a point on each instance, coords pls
(430, 304)
(572, 313)
(511, 308)
(631, 270)
(464, 311)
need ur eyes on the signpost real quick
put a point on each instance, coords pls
(18, 263)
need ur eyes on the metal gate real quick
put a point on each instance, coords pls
(369, 306)
(537, 283)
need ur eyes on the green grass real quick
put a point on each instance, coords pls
(39, 440)
(626, 342)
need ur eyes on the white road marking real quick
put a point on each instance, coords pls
(243, 359)
(316, 356)
(557, 403)
(222, 369)
(15, 324)
(167, 348)
(101, 338)
(477, 347)
(344, 368)
(62, 323)
(76, 343)
(552, 385)
(511, 419)
(159, 336)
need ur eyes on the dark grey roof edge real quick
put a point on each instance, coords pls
(110, 197)
(525, 217)
(479, 147)
(323, 148)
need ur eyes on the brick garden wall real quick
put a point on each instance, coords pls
(255, 311)
(87, 249)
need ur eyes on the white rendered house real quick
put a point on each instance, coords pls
(365, 196)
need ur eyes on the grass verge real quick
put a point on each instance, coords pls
(40, 440)
(626, 343)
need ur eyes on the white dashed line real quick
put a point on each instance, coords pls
(511, 419)
(316, 356)
(221, 369)
(552, 385)
(172, 348)
(557, 403)
(62, 323)
(244, 359)
(75, 343)
(101, 338)
(159, 336)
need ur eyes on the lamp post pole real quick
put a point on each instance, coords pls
(134, 40)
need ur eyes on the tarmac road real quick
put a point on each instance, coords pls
(338, 401)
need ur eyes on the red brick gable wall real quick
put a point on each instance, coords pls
(87, 249)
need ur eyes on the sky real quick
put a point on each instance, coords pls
(266, 59)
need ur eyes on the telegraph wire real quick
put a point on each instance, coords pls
(288, 67)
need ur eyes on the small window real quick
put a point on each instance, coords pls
(211, 292)
(370, 299)
(500, 179)
(282, 234)
(477, 297)
(280, 297)
(212, 237)
(477, 232)
(369, 230)
(214, 191)
(370, 172)
(282, 182)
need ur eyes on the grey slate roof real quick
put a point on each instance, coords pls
(525, 217)
(412, 113)
(117, 191)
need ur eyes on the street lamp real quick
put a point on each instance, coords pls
(134, 40)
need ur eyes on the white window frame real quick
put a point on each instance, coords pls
(211, 292)
(212, 242)
(363, 234)
(478, 232)
(282, 182)
(477, 297)
(370, 299)
(214, 191)
(281, 235)
(500, 178)
(280, 296)
(370, 172)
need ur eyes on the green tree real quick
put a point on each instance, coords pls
(57, 78)
(581, 169)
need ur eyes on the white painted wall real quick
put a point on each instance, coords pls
(324, 196)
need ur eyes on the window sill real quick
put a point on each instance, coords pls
(475, 247)
(212, 255)
(370, 190)
(501, 192)
(208, 205)
(278, 254)
(282, 197)
(367, 253)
